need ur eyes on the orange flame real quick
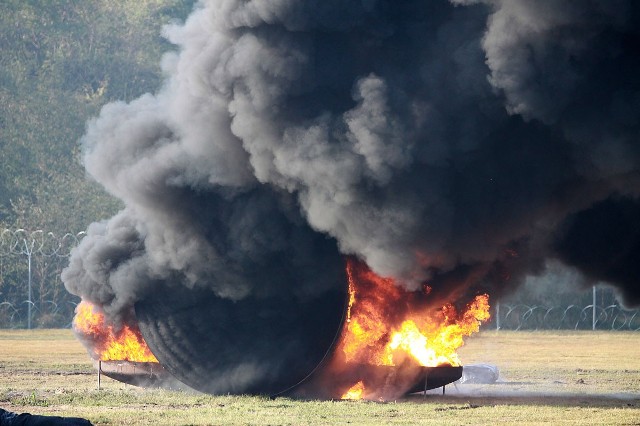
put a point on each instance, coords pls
(107, 344)
(355, 392)
(387, 325)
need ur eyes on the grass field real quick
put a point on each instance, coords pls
(546, 377)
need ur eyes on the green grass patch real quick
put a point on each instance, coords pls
(547, 378)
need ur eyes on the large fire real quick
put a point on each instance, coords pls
(106, 343)
(389, 326)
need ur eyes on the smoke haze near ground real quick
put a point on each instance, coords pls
(462, 143)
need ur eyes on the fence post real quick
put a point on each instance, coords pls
(30, 294)
(29, 252)
(498, 316)
(593, 318)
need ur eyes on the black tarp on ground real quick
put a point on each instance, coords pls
(7, 418)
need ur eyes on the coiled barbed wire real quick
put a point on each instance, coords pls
(571, 317)
(23, 242)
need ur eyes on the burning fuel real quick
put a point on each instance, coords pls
(387, 323)
(454, 147)
(355, 392)
(104, 342)
(388, 326)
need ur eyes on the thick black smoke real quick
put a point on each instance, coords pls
(460, 142)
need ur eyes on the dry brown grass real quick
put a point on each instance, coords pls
(548, 377)
(579, 361)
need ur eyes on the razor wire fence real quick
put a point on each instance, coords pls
(32, 294)
(606, 316)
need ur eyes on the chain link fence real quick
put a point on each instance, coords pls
(596, 309)
(572, 317)
(32, 294)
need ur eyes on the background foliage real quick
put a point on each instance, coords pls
(60, 61)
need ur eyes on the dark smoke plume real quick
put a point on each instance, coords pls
(461, 142)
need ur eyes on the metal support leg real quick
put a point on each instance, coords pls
(426, 379)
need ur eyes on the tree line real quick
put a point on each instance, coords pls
(61, 61)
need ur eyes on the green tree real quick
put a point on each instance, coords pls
(60, 62)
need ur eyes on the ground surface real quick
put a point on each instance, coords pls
(545, 377)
